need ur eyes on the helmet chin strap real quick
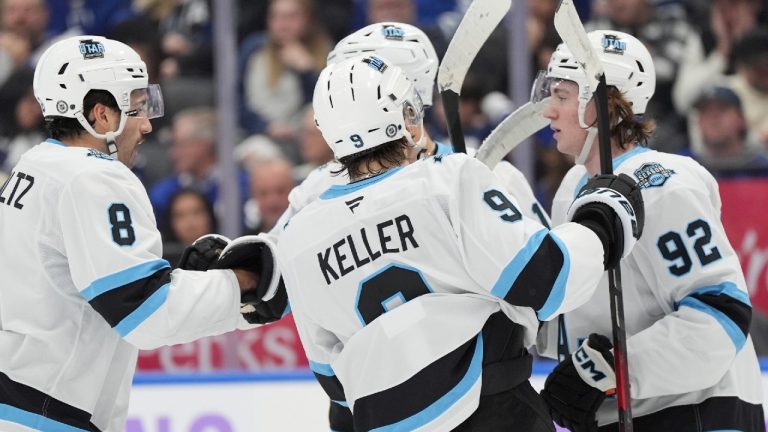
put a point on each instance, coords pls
(109, 137)
(420, 147)
(591, 134)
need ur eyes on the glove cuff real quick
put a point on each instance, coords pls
(594, 367)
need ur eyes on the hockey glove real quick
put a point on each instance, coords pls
(269, 300)
(577, 387)
(612, 207)
(203, 252)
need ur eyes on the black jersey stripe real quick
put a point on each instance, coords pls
(133, 301)
(728, 305)
(536, 277)
(426, 395)
(34, 409)
(328, 381)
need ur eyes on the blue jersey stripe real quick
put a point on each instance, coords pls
(726, 288)
(123, 277)
(443, 404)
(321, 368)
(34, 421)
(147, 308)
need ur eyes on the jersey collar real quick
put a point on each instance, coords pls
(55, 141)
(336, 191)
(617, 161)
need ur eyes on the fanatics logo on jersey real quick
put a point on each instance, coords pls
(652, 174)
(353, 203)
(97, 154)
(91, 49)
(393, 33)
(614, 45)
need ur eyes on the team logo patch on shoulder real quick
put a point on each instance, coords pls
(97, 154)
(652, 174)
(90, 49)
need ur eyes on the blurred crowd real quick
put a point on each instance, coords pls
(711, 102)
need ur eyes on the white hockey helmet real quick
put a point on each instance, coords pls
(403, 44)
(364, 102)
(627, 64)
(72, 67)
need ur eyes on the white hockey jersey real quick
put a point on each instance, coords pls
(392, 278)
(84, 288)
(321, 178)
(685, 300)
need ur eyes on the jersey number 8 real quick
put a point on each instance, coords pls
(122, 226)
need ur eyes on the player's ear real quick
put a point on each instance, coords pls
(102, 118)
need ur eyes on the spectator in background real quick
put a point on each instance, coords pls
(185, 36)
(21, 121)
(708, 52)
(474, 122)
(190, 216)
(724, 133)
(92, 17)
(23, 35)
(280, 69)
(405, 11)
(664, 30)
(193, 152)
(271, 182)
(314, 150)
(750, 57)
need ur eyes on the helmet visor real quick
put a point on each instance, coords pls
(542, 87)
(147, 102)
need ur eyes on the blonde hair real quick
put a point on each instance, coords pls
(315, 39)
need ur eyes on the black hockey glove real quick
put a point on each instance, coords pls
(202, 252)
(577, 387)
(612, 207)
(260, 305)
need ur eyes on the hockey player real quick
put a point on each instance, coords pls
(692, 366)
(418, 286)
(410, 49)
(84, 286)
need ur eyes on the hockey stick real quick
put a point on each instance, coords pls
(516, 128)
(571, 31)
(476, 26)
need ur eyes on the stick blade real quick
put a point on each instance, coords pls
(476, 26)
(571, 31)
(513, 130)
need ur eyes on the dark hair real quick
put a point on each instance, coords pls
(751, 48)
(169, 234)
(626, 127)
(387, 155)
(64, 127)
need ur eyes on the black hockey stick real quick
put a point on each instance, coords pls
(571, 31)
(476, 26)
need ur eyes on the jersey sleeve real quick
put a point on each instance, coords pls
(516, 257)
(114, 248)
(685, 256)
